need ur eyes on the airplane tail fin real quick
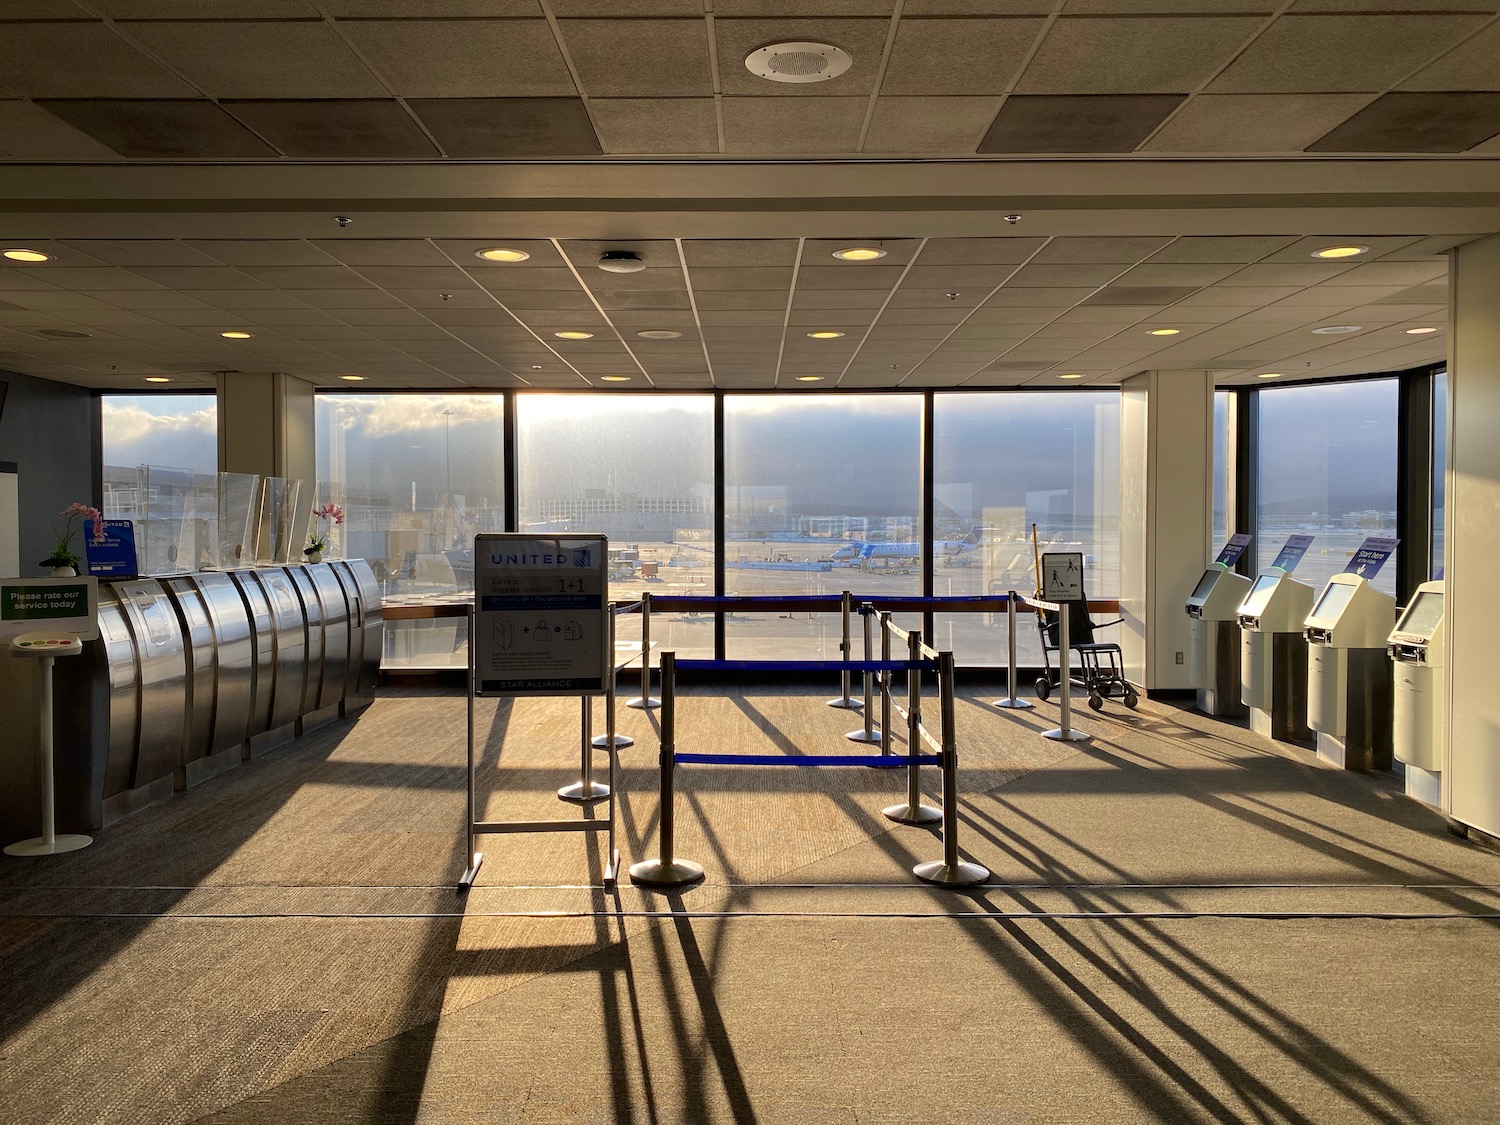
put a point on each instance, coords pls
(971, 539)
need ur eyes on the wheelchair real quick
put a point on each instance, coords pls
(1095, 666)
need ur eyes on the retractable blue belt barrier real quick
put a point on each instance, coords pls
(874, 761)
(806, 665)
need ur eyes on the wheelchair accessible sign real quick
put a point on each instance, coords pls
(541, 614)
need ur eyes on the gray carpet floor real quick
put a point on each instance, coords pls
(1184, 922)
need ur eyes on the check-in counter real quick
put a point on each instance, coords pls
(189, 673)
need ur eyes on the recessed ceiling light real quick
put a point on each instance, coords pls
(1419, 331)
(21, 254)
(859, 253)
(1070, 376)
(235, 335)
(1335, 329)
(798, 62)
(574, 335)
(615, 378)
(658, 334)
(1269, 375)
(809, 378)
(501, 254)
(352, 378)
(827, 334)
(1163, 331)
(157, 379)
(1341, 252)
(64, 333)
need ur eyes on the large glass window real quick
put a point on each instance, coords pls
(639, 469)
(1005, 463)
(1439, 467)
(417, 476)
(1223, 477)
(822, 494)
(1327, 468)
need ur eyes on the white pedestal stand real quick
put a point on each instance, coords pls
(47, 646)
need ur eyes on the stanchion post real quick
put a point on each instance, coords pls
(1064, 731)
(609, 739)
(885, 684)
(667, 870)
(843, 700)
(950, 870)
(913, 811)
(475, 858)
(586, 788)
(867, 733)
(644, 702)
(1011, 702)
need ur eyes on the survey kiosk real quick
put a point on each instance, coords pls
(1273, 651)
(1213, 638)
(1416, 648)
(1348, 675)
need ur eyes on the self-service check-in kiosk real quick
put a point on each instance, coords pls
(1214, 640)
(1273, 656)
(1416, 648)
(1348, 675)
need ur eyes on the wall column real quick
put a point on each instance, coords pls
(266, 425)
(1471, 783)
(1166, 513)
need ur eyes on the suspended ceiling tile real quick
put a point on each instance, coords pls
(1447, 122)
(1193, 274)
(80, 60)
(348, 299)
(916, 124)
(969, 56)
(495, 128)
(262, 252)
(738, 252)
(30, 133)
(1076, 123)
(792, 126)
(656, 125)
(336, 128)
(863, 39)
(1221, 248)
(189, 9)
(1085, 251)
(978, 251)
(712, 300)
(640, 58)
(1051, 276)
(1301, 250)
(471, 58)
(165, 129)
(951, 316)
(880, 277)
(1254, 122)
(448, 279)
(1434, 295)
(254, 59)
(847, 320)
(1086, 55)
(1286, 273)
(1367, 52)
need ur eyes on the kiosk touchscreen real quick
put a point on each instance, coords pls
(1348, 675)
(1273, 655)
(1213, 639)
(1416, 647)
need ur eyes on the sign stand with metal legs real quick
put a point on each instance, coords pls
(1011, 702)
(667, 870)
(843, 700)
(47, 645)
(867, 733)
(1064, 732)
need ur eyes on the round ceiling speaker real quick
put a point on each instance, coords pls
(798, 62)
(621, 261)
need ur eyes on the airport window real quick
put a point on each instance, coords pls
(1223, 478)
(1327, 468)
(1006, 462)
(1439, 467)
(640, 470)
(417, 476)
(822, 493)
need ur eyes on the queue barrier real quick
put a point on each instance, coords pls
(670, 870)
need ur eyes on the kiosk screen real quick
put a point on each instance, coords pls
(1205, 584)
(1333, 602)
(1255, 602)
(1423, 615)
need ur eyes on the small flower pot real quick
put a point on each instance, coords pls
(312, 556)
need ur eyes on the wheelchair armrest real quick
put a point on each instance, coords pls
(1107, 624)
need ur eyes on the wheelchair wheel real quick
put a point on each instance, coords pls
(1043, 688)
(1096, 701)
(1131, 698)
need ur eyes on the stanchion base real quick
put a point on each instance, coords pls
(1057, 735)
(959, 875)
(846, 704)
(640, 703)
(865, 736)
(582, 794)
(601, 741)
(907, 814)
(1018, 705)
(38, 846)
(655, 873)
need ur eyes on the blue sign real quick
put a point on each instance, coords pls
(114, 555)
(1291, 554)
(1234, 549)
(1371, 556)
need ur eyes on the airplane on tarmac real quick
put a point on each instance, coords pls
(865, 553)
